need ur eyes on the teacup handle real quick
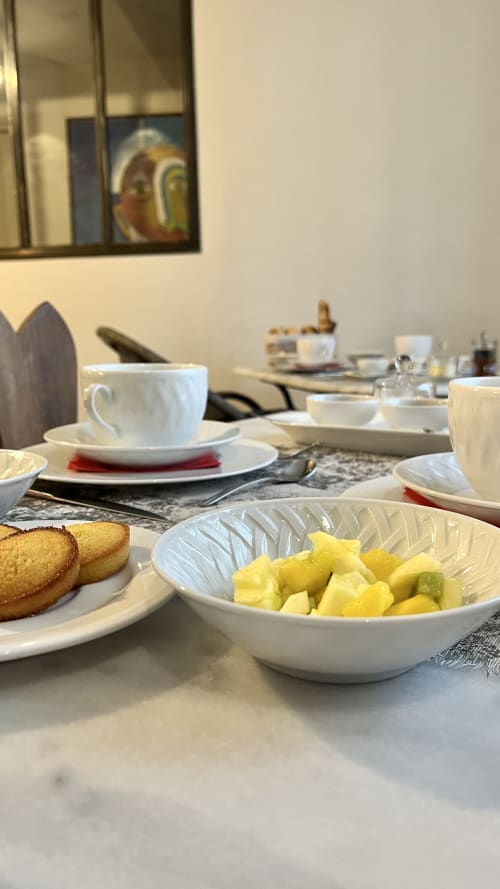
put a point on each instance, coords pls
(92, 393)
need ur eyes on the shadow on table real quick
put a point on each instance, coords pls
(160, 652)
(430, 729)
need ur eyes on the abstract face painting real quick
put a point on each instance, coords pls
(148, 179)
(150, 194)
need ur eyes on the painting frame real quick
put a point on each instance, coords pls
(160, 141)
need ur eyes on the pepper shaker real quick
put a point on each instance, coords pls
(484, 356)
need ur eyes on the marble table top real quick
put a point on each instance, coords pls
(163, 756)
(308, 382)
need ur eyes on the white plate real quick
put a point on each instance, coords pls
(439, 478)
(78, 438)
(384, 487)
(240, 456)
(96, 610)
(376, 437)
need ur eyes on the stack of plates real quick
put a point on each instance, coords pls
(150, 465)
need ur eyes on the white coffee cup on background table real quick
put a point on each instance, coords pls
(144, 405)
(474, 424)
(417, 345)
(316, 348)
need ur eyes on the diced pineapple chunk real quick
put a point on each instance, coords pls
(340, 590)
(275, 567)
(310, 572)
(414, 605)
(336, 545)
(297, 603)
(381, 562)
(346, 563)
(402, 579)
(256, 586)
(373, 601)
(451, 597)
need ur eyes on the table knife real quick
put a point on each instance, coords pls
(107, 505)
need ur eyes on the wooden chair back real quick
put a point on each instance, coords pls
(38, 377)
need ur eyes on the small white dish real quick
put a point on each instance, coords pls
(373, 366)
(240, 456)
(78, 437)
(376, 437)
(439, 478)
(199, 556)
(342, 409)
(415, 413)
(96, 610)
(18, 471)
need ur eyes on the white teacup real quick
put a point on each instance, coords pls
(474, 423)
(317, 348)
(144, 405)
(417, 345)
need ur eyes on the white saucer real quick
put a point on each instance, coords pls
(243, 455)
(96, 610)
(439, 478)
(384, 487)
(78, 438)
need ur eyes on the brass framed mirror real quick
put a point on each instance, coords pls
(97, 128)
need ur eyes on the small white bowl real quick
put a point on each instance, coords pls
(373, 365)
(18, 470)
(199, 556)
(341, 410)
(415, 413)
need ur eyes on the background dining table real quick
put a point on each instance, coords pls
(350, 382)
(164, 756)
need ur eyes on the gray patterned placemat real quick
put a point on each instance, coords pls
(480, 650)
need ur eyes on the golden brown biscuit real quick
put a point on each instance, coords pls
(7, 530)
(37, 568)
(104, 549)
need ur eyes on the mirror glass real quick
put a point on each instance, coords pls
(56, 85)
(106, 128)
(145, 120)
(9, 223)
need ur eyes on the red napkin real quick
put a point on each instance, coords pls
(423, 501)
(418, 498)
(85, 464)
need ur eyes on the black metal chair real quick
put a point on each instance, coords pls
(219, 404)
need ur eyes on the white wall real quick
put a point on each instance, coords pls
(348, 150)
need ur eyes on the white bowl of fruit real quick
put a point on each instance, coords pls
(335, 590)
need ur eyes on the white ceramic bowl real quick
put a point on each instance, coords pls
(18, 471)
(198, 556)
(415, 413)
(418, 345)
(341, 410)
(373, 365)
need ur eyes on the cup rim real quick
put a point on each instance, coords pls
(478, 383)
(139, 368)
(340, 398)
(414, 403)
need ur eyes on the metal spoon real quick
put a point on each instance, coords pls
(294, 470)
